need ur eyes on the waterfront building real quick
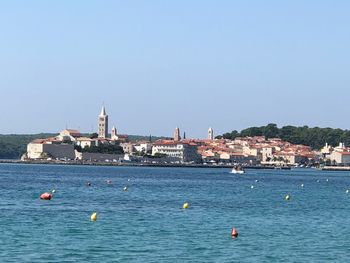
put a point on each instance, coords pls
(177, 136)
(86, 142)
(103, 124)
(185, 152)
(49, 148)
(234, 157)
(127, 147)
(340, 158)
(210, 134)
(266, 153)
(145, 147)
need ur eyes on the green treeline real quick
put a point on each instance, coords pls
(315, 137)
(103, 148)
(12, 146)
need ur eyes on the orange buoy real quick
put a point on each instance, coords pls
(234, 232)
(45, 196)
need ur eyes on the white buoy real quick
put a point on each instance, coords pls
(256, 180)
(252, 187)
(347, 191)
(302, 185)
(327, 180)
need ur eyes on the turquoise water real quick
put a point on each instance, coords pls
(148, 224)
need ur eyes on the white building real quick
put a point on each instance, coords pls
(70, 135)
(44, 149)
(127, 147)
(342, 158)
(86, 142)
(266, 153)
(186, 152)
(143, 147)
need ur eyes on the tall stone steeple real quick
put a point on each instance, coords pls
(114, 135)
(177, 134)
(103, 124)
(210, 134)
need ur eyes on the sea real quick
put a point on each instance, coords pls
(147, 223)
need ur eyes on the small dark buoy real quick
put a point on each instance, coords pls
(45, 196)
(234, 232)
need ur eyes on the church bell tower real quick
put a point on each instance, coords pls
(103, 124)
(210, 134)
(177, 134)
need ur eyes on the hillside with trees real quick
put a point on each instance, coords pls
(12, 146)
(315, 137)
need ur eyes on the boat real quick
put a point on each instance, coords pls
(237, 170)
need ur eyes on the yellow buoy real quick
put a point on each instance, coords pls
(93, 217)
(287, 197)
(185, 206)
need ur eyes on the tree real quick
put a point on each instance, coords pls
(104, 148)
(93, 135)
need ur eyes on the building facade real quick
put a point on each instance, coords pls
(40, 149)
(184, 151)
(340, 158)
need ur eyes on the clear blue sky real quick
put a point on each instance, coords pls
(161, 64)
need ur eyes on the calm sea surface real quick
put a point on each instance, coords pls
(148, 224)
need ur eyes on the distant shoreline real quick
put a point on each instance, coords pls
(126, 164)
(16, 161)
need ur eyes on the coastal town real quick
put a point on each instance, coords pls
(70, 145)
